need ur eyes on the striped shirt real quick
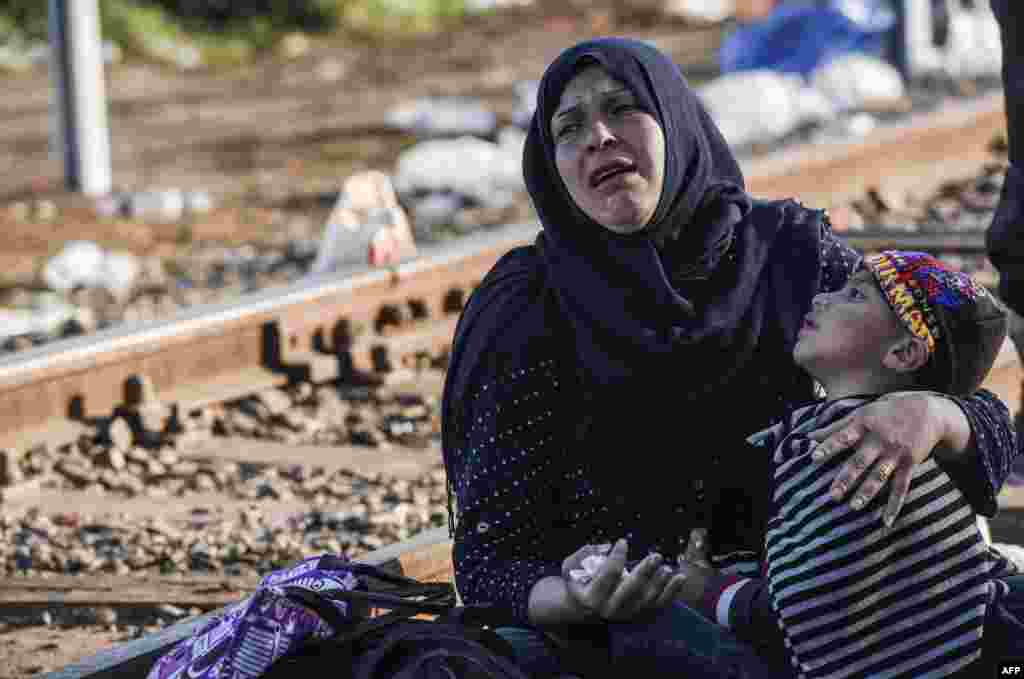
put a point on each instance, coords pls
(850, 597)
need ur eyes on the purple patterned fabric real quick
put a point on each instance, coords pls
(253, 633)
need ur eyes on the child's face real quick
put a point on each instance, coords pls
(850, 330)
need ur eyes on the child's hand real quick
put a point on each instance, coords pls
(695, 566)
(697, 548)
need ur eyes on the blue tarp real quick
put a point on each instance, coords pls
(799, 37)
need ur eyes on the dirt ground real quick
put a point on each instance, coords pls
(284, 134)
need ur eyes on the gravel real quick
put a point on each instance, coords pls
(347, 511)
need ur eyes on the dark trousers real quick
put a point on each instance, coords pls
(682, 643)
(677, 643)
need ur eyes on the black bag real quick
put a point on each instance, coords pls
(458, 643)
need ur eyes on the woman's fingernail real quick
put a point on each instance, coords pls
(819, 452)
(858, 502)
(839, 491)
(888, 520)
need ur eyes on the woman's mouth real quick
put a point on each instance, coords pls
(609, 171)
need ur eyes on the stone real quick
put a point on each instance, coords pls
(295, 421)
(119, 431)
(137, 455)
(168, 457)
(77, 472)
(276, 401)
(204, 482)
(109, 478)
(303, 392)
(331, 409)
(115, 459)
(246, 425)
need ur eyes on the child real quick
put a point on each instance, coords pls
(851, 592)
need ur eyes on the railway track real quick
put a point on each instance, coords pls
(377, 327)
(367, 324)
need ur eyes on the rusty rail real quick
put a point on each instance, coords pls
(317, 329)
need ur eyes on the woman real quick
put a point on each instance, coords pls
(604, 379)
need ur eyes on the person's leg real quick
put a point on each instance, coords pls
(682, 639)
(534, 653)
(678, 642)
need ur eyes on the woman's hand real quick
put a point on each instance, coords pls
(891, 436)
(613, 596)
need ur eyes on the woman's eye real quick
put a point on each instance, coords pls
(623, 108)
(566, 130)
(856, 293)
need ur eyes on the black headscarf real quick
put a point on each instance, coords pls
(664, 328)
(617, 290)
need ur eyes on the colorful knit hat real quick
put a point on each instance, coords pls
(960, 321)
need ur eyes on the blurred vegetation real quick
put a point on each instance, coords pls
(226, 31)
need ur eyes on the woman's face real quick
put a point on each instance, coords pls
(609, 153)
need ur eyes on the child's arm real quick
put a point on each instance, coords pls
(741, 604)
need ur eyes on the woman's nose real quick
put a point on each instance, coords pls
(600, 136)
